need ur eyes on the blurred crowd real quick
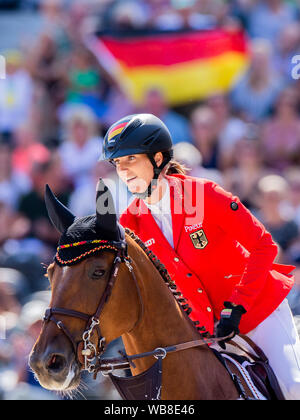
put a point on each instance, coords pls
(57, 102)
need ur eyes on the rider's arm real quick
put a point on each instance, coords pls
(238, 222)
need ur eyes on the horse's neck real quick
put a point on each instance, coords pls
(164, 324)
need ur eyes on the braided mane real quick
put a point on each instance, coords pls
(182, 302)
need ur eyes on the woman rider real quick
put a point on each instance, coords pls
(219, 255)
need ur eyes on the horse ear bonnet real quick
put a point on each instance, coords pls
(101, 226)
(59, 215)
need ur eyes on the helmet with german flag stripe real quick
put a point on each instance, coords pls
(136, 134)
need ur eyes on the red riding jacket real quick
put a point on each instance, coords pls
(221, 252)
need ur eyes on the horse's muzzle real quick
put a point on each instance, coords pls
(55, 370)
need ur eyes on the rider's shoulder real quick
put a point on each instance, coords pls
(187, 180)
(127, 217)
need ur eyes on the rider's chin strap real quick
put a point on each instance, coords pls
(157, 170)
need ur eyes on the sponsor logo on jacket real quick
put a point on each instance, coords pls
(190, 228)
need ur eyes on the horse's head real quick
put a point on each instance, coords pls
(83, 310)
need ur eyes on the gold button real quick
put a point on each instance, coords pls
(176, 259)
(199, 290)
(208, 309)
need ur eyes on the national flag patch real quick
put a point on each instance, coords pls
(117, 129)
(226, 313)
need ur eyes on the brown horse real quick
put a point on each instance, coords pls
(142, 309)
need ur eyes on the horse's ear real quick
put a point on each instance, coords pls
(106, 214)
(59, 215)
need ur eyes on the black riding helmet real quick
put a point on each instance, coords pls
(139, 134)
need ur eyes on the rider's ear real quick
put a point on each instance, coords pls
(106, 214)
(59, 215)
(158, 158)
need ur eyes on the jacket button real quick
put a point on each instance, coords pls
(199, 290)
(189, 275)
(176, 259)
(208, 309)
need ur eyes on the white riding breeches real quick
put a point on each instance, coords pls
(278, 338)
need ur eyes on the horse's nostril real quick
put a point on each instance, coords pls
(56, 363)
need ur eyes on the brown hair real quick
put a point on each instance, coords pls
(174, 167)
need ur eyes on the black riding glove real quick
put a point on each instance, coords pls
(229, 322)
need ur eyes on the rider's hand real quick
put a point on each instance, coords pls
(229, 321)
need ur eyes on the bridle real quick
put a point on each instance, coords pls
(87, 353)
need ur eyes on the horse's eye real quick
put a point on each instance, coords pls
(98, 273)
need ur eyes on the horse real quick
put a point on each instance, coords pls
(105, 284)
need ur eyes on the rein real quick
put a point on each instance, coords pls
(88, 354)
(125, 362)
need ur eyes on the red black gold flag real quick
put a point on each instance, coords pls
(186, 66)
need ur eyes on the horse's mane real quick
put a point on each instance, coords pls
(166, 277)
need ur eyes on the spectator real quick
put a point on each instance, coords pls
(157, 8)
(32, 204)
(48, 71)
(27, 150)
(12, 183)
(281, 133)
(169, 19)
(45, 64)
(12, 227)
(266, 19)
(260, 85)
(17, 285)
(188, 155)
(288, 47)
(242, 178)
(16, 94)
(18, 251)
(87, 82)
(128, 15)
(292, 204)
(204, 134)
(55, 21)
(272, 192)
(16, 380)
(10, 307)
(230, 129)
(187, 14)
(216, 12)
(155, 103)
(118, 105)
(81, 148)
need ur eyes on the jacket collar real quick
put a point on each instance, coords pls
(176, 205)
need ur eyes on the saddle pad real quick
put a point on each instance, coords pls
(240, 370)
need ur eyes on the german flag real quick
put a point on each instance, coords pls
(186, 66)
(116, 130)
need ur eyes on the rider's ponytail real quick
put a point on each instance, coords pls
(175, 167)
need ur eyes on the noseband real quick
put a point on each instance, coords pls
(85, 350)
